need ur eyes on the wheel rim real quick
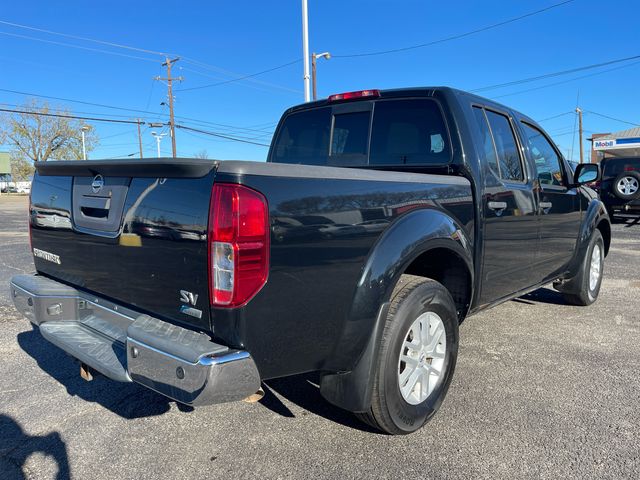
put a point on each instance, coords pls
(628, 185)
(595, 268)
(422, 358)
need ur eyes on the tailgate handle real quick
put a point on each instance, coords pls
(95, 207)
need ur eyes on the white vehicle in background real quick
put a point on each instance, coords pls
(23, 187)
(15, 187)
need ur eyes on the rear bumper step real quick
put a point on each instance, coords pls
(126, 346)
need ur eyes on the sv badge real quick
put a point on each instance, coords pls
(188, 297)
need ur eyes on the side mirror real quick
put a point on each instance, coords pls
(586, 173)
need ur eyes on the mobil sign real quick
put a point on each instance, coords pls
(617, 143)
(603, 144)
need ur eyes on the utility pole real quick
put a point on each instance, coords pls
(139, 137)
(305, 49)
(579, 112)
(169, 80)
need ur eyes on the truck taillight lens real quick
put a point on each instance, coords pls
(238, 241)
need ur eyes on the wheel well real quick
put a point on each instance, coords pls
(448, 268)
(605, 231)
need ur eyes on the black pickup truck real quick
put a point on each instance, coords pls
(380, 221)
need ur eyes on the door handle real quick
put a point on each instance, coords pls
(498, 207)
(546, 206)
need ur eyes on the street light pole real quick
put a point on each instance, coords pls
(305, 49)
(579, 112)
(158, 139)
(84, 148)
(314, 57)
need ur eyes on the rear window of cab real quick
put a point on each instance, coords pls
(403, 132)
(615, 166)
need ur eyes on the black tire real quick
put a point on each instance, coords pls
(389, 411)
(631, 176)
(587, 295)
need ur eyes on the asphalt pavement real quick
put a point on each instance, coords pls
(542, 390)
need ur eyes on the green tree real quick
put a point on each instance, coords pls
(36, 136)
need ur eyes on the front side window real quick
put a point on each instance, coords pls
(545, 157)
(409, 132)
(304, 138)
(506, 147)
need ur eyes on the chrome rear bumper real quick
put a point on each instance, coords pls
(126, 346)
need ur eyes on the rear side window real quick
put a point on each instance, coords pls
(304, 138)
(506, 147)
(488, 149)
(544, 156)
(409, 132)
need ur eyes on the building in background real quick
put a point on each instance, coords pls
(5, 170)
(625, 143)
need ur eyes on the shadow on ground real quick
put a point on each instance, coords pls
(542, 295)
(303, 391)
(128, 400)
(16, 447)
(628, 221)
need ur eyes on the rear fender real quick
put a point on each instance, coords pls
(354, 358)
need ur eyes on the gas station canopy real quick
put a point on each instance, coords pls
(625, 143)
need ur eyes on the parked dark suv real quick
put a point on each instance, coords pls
(620, 185)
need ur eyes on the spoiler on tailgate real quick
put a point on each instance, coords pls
(156, 167)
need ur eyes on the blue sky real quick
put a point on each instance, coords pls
(221, 41)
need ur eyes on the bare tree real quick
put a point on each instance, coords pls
(202, 154)
(36, 136)
(21, 169)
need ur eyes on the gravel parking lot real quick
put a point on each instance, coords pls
(542, 390)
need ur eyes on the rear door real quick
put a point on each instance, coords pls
(509, 208)
(559, 203)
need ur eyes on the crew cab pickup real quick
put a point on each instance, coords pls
(380, 221)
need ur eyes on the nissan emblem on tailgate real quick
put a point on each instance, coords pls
(97, 184)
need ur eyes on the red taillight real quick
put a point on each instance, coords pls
(238, 241)
(353, 95)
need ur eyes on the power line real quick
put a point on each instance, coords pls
(85, 39)
(252, 82)
(456, 37)
(101, 105)
(93, 119)
(213, 134)
(555, 116)
(612, 118)
(80, 47)
(241, 78)
(566, 81)
(555, 74)
(128, 47)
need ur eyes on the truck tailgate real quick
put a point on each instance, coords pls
(132, 231)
